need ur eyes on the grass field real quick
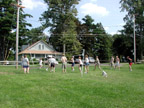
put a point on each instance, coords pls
(43, 89)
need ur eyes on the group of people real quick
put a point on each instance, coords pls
(117, 62)
(114, 63)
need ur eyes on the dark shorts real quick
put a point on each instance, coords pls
(25, 66)
(52, 64)
(80, 65)
(73, 64)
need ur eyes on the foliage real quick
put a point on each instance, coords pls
(94, 39)
(60, 17)
(8, 27)
(135, 8)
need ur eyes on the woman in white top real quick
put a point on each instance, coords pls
(80, 64)
(86, 64)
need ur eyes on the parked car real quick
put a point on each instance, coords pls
(91, 60)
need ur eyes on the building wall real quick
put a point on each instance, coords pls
(42, 46)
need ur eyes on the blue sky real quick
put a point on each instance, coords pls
(105, 11)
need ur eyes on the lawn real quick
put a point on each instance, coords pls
(44, 89)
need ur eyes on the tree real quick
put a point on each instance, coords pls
(135, 8)
(94, 39)
(8, 27)
(60, 17)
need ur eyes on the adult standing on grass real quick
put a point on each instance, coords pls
(112, 62)
(86, 64)
(97, 63)
(48, 62)
(130, 63)
(117, 65)
(64, 62)
(73, 63)
(52, 64)
(25, 63)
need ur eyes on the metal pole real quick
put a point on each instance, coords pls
(64, 49)
(134, 41)
(17, 35)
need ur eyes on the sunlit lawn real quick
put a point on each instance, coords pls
(43, 89)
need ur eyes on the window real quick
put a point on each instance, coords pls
(39, 47)
(43, 47)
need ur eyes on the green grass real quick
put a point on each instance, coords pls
(42, 89)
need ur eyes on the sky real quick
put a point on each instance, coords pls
(107, 12)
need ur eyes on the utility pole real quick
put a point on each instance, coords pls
(17, 31)
(134, 40)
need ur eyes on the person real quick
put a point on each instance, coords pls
(22, 61)
(80, 64)
(64, 62)
(73, 63)
(112, 62)
(117, 65)
(25, 63)
(48, 63)
(97, 63)
(130, 63)
(52, 64)
(40, 63)
(86, 64)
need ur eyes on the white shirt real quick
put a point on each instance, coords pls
(52, 60)
(80, 62)
(40, 62)
(86, 60)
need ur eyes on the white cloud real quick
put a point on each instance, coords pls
(106, 28)
(93, 9)
(31, 4)
(93, 0)
(112, 33)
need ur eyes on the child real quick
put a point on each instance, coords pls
(40, 63)
(117, 62)
(73, 63)
(130, 63)
(86, 64)
(80, 64)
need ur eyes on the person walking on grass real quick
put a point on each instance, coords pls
(86, 64)
(112, 62)
(97, 63)
(73, 63)
(64, 62)
(25, 63)
(130, 63)
(40, 63)
(117, 65)
(80, 64)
